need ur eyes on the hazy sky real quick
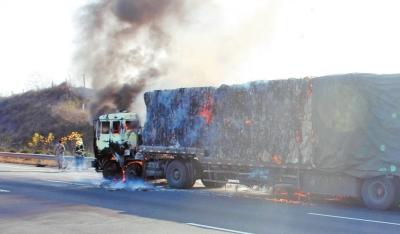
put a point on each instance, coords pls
(36, 42)
(301, 38)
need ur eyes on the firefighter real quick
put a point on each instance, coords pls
(79, 150)
(59, 152)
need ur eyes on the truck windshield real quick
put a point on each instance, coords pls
(116, 127)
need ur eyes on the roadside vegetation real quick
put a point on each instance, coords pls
(44, 144)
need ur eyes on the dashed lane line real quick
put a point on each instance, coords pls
(217, 228)
(356, 219)
(66, 182)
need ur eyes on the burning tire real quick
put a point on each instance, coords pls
(112, 170)
(133, 172)
(178, 175)
(379, 193)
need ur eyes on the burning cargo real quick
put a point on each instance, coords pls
(250, 123)
(334, 135)
(339, 123)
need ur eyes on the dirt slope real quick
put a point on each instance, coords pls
(57, 110)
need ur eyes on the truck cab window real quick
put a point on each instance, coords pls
(105, 127)
(132, 125)
(116, 127)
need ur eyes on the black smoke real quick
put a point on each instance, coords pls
(119, 47)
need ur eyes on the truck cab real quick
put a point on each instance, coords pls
(120, 154)
(116, 136)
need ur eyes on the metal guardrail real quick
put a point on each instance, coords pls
(23, 155)
(39, 159)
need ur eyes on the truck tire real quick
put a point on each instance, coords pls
(112, 170)
(177, 174)
(133, 172)
(378, 193)
(397, 197)
(191, 169)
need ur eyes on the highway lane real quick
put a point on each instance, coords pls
(40, 199)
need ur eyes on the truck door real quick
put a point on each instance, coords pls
(103, 134)
(131, 128)
(116, 135)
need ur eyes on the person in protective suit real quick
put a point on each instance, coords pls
(79, 151)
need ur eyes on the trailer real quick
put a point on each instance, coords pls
(334, 135)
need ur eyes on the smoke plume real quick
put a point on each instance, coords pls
(121, 46)
(127, 47)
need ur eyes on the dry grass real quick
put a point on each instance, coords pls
(57, 110)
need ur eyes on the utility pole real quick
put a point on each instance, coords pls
(84, 86)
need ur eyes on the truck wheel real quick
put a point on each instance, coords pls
(378, 193)
(133, 172)
(112, 170)
(191, 169)
(177, 174)
(397, 196)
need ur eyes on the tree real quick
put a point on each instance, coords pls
(40, 143)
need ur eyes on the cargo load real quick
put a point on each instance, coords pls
(345, 123)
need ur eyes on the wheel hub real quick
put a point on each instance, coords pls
(132, 173)
(378, 191)
(176, 174)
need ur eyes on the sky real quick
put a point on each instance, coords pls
(277, 40)
(36, 45)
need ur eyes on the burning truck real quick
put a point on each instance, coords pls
(334, 135)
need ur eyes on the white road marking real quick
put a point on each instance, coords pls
(66, 182)
(16, 165)
(217, 228)
(356, 219)
(4, 191)
(10, 165)
(25, 168)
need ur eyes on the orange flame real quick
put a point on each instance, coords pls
(276, 158)
(206, 110)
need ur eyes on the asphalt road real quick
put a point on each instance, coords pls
(42, 200)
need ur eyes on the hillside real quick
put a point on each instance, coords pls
(56, 110)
